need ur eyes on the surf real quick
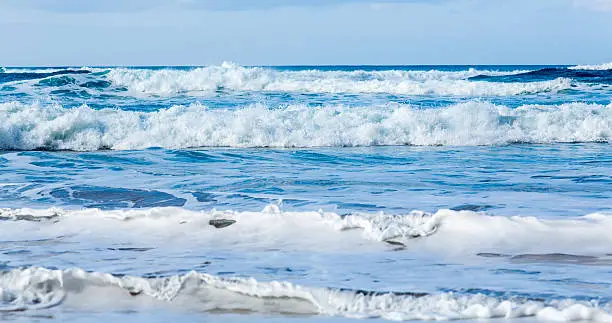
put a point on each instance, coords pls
(37, 288)
(53, 127)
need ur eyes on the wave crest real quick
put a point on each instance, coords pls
(30, 127)
(601, 67)
(237, 78)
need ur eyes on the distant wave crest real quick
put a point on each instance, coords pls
(601, 67)
(227, 77)
(237, 78)
(36, 74)
(551, 74)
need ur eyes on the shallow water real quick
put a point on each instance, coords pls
(394, 193)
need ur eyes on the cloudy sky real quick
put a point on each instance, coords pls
(280, 32)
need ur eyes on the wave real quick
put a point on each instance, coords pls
(32, 70)
(231, 77)
(50, 69)
(7, 76)
(602, 67)
(463, 233)
(35, 288)
(31, 127)
(403, 82)
(550, 74)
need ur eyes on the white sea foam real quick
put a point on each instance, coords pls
(27, 127)
(238, 78)
(461, 233)
(24, 289)
(601, 67)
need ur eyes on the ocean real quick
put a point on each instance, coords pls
(306, 193)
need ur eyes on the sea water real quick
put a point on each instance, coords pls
(306, 193)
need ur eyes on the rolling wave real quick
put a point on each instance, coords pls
(231, 77)
(599, 76)
(21, 76)
(32, 127)
(35, 288)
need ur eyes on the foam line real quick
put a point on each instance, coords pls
(34, 287)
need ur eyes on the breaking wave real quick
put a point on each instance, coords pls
(31, 127)
(231, 77)
(35, 288)
(404, 82)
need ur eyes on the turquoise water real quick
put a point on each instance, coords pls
(306, 193)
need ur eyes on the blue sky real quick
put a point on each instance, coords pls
(279, 32)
